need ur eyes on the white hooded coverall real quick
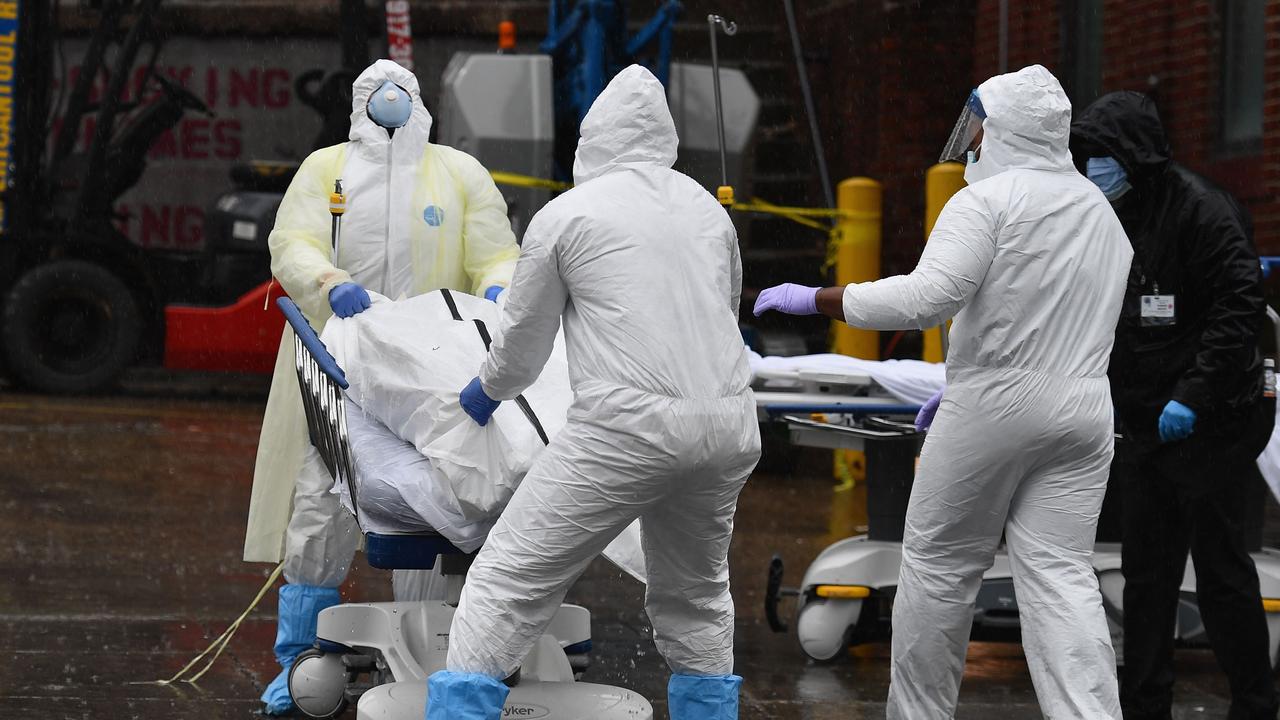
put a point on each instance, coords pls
(1034, 261)
(419, 217)
(643, 265)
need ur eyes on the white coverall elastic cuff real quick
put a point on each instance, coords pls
(488, 390)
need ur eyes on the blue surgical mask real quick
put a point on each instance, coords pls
(1109, 176)
(390, 106)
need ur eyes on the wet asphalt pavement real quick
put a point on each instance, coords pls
(121, 520)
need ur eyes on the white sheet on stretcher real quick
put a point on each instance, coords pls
(910, 381)
(395, 483)
(1269, 460)
(421, 463)
(914, 381)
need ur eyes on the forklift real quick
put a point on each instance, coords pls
(79, 302)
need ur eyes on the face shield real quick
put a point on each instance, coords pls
(966, 131)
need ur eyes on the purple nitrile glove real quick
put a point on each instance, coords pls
(788, 298)
(924, 418)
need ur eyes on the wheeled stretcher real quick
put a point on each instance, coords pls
(845, 596)
(379, 655)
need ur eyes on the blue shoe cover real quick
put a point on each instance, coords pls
(695, 697)
(276, 698)
(464, 696)
(300, 607)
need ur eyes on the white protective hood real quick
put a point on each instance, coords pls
(367, 135)
(1028, 124)
(642, 265)
(1031, 262)
(628, 123)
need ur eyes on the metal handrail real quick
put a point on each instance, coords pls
(864, 433)
(321, 383)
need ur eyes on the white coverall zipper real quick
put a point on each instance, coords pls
(386, 236)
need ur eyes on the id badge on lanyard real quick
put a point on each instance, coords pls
(1158, 310)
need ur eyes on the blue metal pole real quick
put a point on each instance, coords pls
(594, 47)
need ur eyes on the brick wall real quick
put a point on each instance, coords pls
(1172, 51)
(889, 81)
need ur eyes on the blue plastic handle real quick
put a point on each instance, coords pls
(858, 410)
(328, 365)
(1268, 261)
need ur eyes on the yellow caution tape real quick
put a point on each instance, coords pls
(526, 181)
(806, 216)
(764, 206)
(835, 239)
(755, 205)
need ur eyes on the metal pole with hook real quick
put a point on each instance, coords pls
(809, 107)
(725, 192)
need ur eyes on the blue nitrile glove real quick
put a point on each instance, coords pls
(477, 403)
(1176, 422)
(492, 293)
(348, 299)
(924, 418)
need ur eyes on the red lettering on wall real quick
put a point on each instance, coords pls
(198, 138)
(195, 138)
(243, 88)
(170, 227)
(155, 227)
(226, 136)
(211, 87)
(165, 146)
(188, 227)
(276, 87)
(182, 75)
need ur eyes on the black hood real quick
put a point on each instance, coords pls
(1126, 126)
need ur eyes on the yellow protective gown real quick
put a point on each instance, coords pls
(419, 217)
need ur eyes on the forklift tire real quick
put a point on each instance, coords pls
(70, 327)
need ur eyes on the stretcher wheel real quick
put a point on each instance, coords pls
(825, 628)
(318, 684)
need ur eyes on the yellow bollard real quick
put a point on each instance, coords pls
(849, 497)
(857, 260)
(858, 257)
(940, 183)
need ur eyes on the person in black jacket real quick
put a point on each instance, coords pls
(1187, 382)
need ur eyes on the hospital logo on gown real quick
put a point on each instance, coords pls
(433, 215)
